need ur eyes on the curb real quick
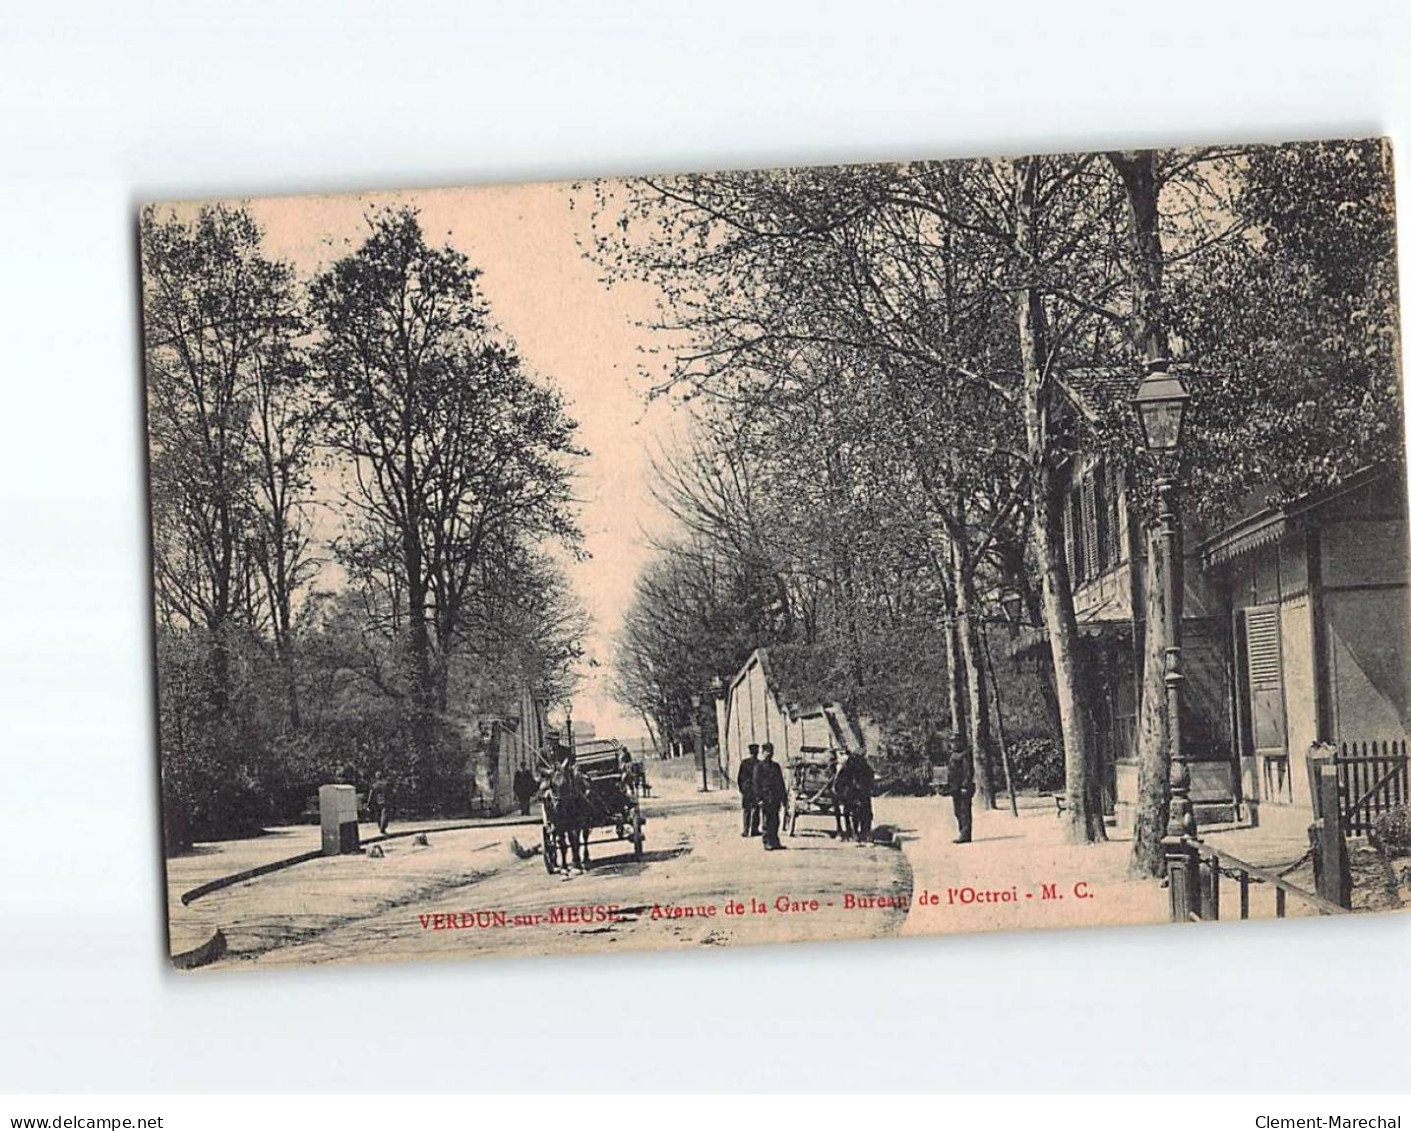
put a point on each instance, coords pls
(196, 893)
(201, 955)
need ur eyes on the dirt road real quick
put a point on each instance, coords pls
(469, 893)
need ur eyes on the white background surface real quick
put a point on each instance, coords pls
(104, 105)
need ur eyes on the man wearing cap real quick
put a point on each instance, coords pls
(960, 784)
(749, 801)
(770, 794)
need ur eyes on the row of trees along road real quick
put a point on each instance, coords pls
(875, 360)
(356, 486)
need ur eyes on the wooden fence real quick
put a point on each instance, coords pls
(1372, 778)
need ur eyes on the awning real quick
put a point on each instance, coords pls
(1245, 538)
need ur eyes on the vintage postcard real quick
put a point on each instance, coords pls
(772, 556)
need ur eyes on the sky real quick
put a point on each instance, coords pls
(570, 329)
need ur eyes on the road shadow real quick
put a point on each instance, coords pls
(630, 866)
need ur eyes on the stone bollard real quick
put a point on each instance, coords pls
(338, 816)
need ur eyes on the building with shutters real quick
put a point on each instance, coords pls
(1295, 627)
(1104, 544)
(1314, 596)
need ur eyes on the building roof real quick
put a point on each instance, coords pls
(1266, 525)
(1094, 391)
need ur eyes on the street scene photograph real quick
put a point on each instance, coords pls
(788, 555)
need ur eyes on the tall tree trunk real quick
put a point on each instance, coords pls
(222, 601)
(1137, 171)
(1153, 738)
(977, 715)
(220, 666)
(281, 604)
(423, 692)
(955, 666)
(1084, 808)
(1081, 780)
(651, 733)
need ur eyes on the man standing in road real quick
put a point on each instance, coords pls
(626, 773)
(524, 788)
(379, 803)
(960, 784)
(770, 795)
(749, 800)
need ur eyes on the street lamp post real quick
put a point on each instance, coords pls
(1161, 405)
(700, 738)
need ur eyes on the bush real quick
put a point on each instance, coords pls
(1037, 763)
(1392, 829)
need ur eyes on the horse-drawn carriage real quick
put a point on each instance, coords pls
(598, 795)
(813, 792)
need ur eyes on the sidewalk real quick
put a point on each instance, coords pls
(1018, 873)
(192, 925)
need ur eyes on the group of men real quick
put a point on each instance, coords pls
(763, 795)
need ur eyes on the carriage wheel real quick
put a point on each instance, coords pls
(550, 864)
(637, 836)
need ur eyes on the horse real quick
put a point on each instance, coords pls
(852, 789)
(568, 812)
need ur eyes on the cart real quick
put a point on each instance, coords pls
(610, 805)
(811, 792)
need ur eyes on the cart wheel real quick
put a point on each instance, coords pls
(550, 864)
(637, 836)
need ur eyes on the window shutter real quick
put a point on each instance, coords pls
(1116, 536)
(1261, 629)
(1265, 674)
(1075, 521)
(1102, 531)
(1088, 502)
(1069, 539)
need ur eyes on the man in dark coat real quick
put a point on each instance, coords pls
(960, 784)
(770, 794)
(379, 803)
(524, 788)
(749, 802)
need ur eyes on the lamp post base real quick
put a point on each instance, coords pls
(1182, 878)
